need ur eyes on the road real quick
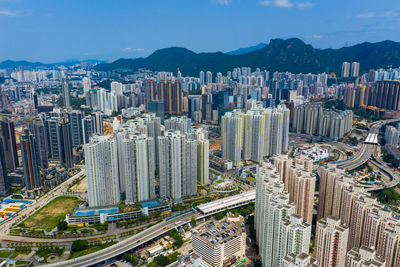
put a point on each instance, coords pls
(33, 207)
(366, 150)
(127, 244)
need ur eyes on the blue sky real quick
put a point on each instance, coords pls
(55, 30)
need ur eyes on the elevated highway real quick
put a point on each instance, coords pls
(157, 230)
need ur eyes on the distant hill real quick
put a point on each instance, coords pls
(246, 50)
(279, 55)
(11, 64)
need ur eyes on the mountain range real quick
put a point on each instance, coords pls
(279, 55)
(12, 64)
(291, 55)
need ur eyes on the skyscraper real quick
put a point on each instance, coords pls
(201, 77)
(232, 136)
(345, 69)
(355, 69)
(138, 167)
(9, 144)
(203, 154)
(181, 124)
(66, 94)
(299, 182)
(208, 77)
(60, 141)
(75, 121)
(30, 160)
(177, 165)
(279, 231)
(101, 162)
(37, 128)
(4, 184)
(156, 107)
(331, 242)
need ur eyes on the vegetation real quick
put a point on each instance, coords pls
(52, 214)
(178, 239)
(387, 196)
(130, 258)
(48, 251)
(162, 260)
(62, 226)
(244, 211)
(389, 158)
(79, 245)
(193, 221)
(291, 55)
(8, 253)
(91, 249)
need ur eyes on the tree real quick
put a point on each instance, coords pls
(162, 260)
(62, 226)
(79, 245)
(193, 221)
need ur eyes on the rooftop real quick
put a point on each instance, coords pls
(221, 232)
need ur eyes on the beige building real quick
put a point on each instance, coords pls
(221, 242)
(364, 256)
(331, 242)
(299, 182)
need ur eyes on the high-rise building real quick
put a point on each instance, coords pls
(279, 231)
(60, 141)
(156, 107)
(37, 128)
(4, 183)
(9, 144)
(30, 160)
(194, 105)
(101, 162)
(201, 77)
(232, 136)
(75, 121)
(203, 154)
(355, 69)
(177, 165)
(251, 136)
(87, 84)
(331, 242)
(299, 181)
(345, 69)
(208, 77)
(66, 95)
(364, 256)
(181, 124)
(139, 167)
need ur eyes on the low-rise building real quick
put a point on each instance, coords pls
(221, 242)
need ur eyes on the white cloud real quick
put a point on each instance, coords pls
(370, 15)
(221, 2)
(277, 3)
(305, 5)
(316, 36)
(286, 4)
(13, 13)
(131, 50)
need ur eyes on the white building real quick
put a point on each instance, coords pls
(101, 161)
(279, 231)
(221, 242)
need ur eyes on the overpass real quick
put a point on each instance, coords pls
(368, 148)
(157, 230)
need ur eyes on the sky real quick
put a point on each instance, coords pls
(58, 30)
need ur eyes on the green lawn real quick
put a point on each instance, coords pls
(50, 215)
(6, 253)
